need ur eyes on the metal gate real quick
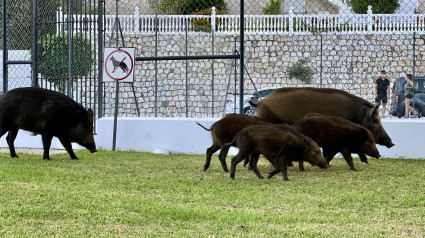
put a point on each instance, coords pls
(52, 44)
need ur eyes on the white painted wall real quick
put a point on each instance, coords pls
(183, 135)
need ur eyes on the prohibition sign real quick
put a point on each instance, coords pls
(119, 65)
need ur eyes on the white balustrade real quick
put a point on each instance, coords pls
(290, 23)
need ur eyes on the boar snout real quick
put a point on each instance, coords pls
(390, 145)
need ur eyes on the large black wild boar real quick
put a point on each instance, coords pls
(336, 134)
(48, 113)
(278, 145)
(288, 105)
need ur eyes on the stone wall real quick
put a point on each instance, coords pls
(350, 62)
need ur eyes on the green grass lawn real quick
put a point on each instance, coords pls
(132, 194)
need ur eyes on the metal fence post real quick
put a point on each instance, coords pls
(5, 50)
(186, 73)
(34, 44)
(156, 64)
(100, 59)
(213, 17)
(241, 55)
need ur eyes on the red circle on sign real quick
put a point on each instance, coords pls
(129, 72)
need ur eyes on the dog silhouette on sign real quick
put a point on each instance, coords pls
(117, 64)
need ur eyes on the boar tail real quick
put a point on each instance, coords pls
(199, 124)
(253, 103)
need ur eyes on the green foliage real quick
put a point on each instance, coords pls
(132, 194)
(185, 7)
(53, 64)
(205, 24)
(18, 19)
(273, 7)
(300, 71)
(378, 6)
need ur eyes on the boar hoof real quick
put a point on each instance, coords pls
(46, 158)
(14, 156)
(353, 169)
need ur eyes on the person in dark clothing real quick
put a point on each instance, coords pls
(382, 91)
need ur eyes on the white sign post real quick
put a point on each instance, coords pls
(118, 67)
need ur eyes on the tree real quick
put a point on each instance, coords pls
(272, 8)
(378, 6)
(184, 7)
(53, 64)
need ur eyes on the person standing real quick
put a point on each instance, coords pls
(382, 91)
(408, 92)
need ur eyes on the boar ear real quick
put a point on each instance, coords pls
(372, 111)
(90, 111)
(306, 143)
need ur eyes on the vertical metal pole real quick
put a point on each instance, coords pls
(116, 22)
(5, 51)
(156, 64)
(117, 85)
(228, 85)
(34, 44)
(114, 141)
(413, 70)
(70, 33)
(241, 55)
(212, 73)
(135, 99)
(187, 77)
(321, 61)
(100, 59)
(235, 74)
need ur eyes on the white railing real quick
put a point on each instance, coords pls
(255, 24)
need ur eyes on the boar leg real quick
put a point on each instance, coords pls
(348, 158)
(273, 173)
(283, 165)
(363, 158)
(235, 161)
(47, 141)
(11, 136)
(300, 166)
(222, 157)
(329, 154)
(68, 146)
(253, 164)
(210, 152)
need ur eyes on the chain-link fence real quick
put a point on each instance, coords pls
(19, 35)
(328, 43)
(335, 43)
(51, 44)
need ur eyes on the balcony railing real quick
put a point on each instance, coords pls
(290, 23)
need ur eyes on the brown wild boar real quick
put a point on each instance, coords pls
(223, 131)
(278, 145)
(336, 134)
(288, 105)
